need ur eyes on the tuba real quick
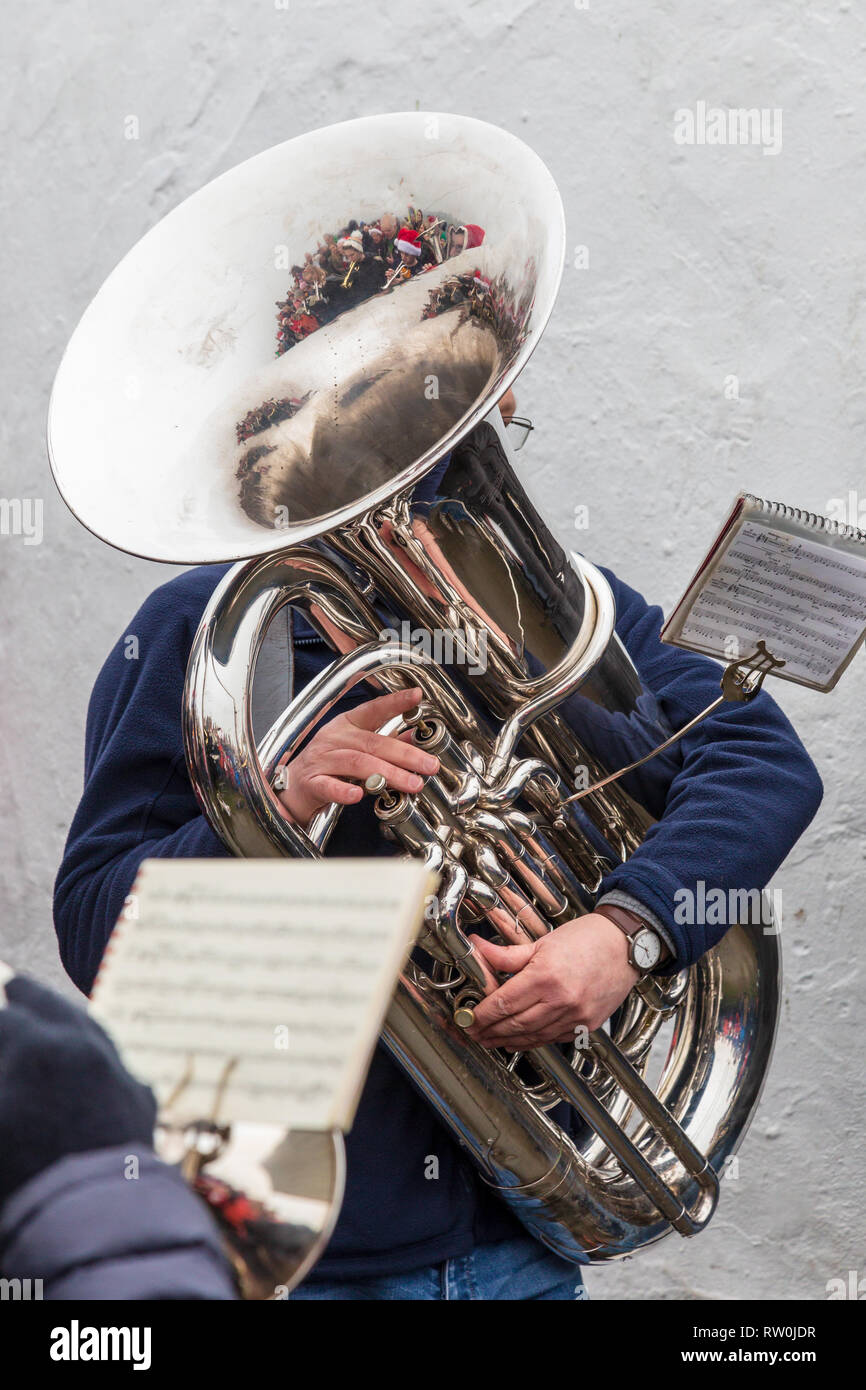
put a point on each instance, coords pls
(365, 478)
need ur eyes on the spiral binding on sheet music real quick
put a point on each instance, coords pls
(810, 519)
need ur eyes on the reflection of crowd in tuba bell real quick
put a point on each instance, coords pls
(363, 259)
(488, 301)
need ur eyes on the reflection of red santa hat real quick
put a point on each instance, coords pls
(408, 242)
(481, 282)
(473, 235)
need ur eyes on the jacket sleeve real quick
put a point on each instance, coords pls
(137, 802)
(89, 1229)
(742, 791)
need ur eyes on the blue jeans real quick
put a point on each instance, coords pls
(510, 1269)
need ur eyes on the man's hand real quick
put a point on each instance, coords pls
(349, 746)
(577, 975)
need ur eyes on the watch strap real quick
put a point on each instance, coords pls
(631, 923)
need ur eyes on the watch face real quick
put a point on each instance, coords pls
(645, 949)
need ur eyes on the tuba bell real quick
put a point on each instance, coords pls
(365, 478)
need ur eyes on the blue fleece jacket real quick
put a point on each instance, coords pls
(731, 803)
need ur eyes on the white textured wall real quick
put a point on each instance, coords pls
(703, 262)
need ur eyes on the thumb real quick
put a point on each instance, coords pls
(505, 958)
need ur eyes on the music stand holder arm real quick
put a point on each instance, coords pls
(741, 681)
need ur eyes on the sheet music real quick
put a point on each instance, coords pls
(285, 966)
(807, 602)
(787, 577)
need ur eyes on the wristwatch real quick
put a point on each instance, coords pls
(646, 949)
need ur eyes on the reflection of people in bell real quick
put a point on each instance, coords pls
(409, 248)
(363, 259)
(388, 228)
(365, 274)
(463, 238)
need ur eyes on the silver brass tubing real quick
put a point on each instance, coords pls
(528, 776)
(587, 650)
(638, 1029)
(322, 824)
(555, 869)
(236, 784)
(543, 787)
(500, 1126)
(620, 818)
(499, 916)
(553, 1066)
(407, 819)
(488, 866)
(573, 1089)
(402, 814)
(663, 1122)
(534, 873)
(454, 759)
(452, 890)
(483, 897)
(511, 896)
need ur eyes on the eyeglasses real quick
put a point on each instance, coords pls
(521, 429)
